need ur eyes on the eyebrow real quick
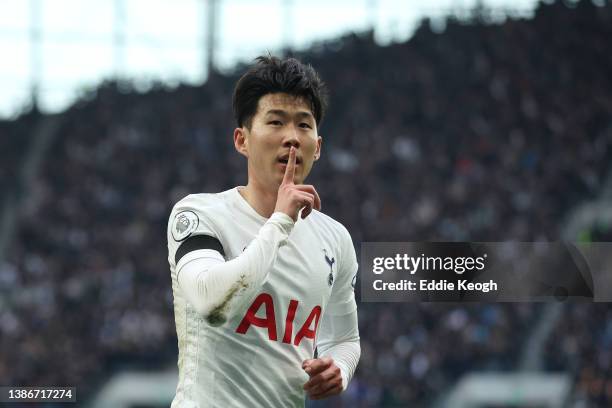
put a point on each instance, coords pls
(281, 112)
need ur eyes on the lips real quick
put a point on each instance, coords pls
(285, 159)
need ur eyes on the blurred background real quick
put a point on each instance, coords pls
(449, 121)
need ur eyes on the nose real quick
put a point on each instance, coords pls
(290, 138)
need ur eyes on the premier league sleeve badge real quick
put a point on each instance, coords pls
(184, 224)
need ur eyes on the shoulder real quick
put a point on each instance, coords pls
(327, 224)
(198, 213)
(202, 202)
(342, 249)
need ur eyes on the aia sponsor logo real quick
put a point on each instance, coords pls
(308, 330)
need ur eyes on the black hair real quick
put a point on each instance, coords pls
(274, 75)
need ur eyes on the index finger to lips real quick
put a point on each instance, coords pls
(290, 169)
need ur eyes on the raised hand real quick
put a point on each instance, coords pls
(293, 197)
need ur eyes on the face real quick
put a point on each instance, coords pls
(281, 121)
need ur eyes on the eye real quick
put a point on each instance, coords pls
(275, 123)
(305, 125)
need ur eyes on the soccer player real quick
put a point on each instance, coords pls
(260, 276)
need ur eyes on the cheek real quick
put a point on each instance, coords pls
(263, 154)
(311, 151)
(267, 144)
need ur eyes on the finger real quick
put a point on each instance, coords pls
(318, 365)
(290, 169)
(310, 189)
(335, 390)
(307, 362)
(306, 204)
(306, 211)
(325, 388)
(317, 202)
(319, 381)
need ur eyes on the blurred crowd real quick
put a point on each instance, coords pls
(482, 132)
(14, 143)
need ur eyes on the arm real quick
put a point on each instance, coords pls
(216, 288)
(339, 339)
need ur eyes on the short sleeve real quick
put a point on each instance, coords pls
(342, 299)
(187, 220)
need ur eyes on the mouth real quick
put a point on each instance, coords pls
(285, 159)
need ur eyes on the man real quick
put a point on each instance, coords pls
(256, 268)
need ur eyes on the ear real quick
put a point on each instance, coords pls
(318, 150)
(241, 142)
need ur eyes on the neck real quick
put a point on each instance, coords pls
(262, 200)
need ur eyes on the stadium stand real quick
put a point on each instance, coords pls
(483, 132)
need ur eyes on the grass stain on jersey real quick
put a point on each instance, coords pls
(218, 315)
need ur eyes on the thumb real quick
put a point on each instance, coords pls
(306, 364)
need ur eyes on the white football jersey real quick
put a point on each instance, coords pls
(255, 358)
